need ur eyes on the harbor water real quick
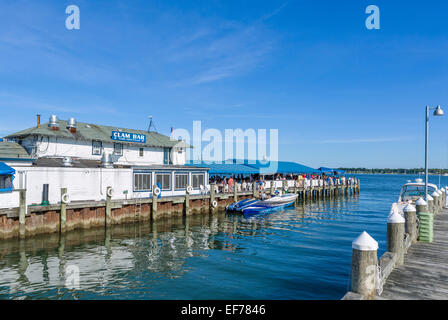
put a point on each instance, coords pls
(299, 253)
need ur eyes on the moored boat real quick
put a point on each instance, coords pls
(411, 191)
(253, 206)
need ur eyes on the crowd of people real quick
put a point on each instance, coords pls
(226, 184)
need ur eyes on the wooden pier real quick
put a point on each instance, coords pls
(60, 217)
(414, 267)
(424, 274)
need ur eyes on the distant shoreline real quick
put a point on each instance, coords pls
(396, 173)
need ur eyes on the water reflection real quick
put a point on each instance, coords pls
(136, 257)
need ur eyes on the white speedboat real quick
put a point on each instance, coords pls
(411, 191)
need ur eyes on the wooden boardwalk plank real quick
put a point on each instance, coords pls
(424, 275)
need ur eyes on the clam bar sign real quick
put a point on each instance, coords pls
(128, 137)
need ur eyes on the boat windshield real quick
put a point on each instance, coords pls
(415, 192)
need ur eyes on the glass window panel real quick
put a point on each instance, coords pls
(142, 181)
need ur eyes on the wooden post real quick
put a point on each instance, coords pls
(395, 236)
(443, 197)
(235, 194)
(364, 265)
(22, 213)
(430, 201)
(187, 204)
(254, 187)
(421, 206)
(435, 196)
(63, 215)
(272, 187)
(154, 203)
(212, 196)
(108, 206)
(410, 216)
(324, 191)
(426, 221)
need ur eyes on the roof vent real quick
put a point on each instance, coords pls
(106, 160)
(71, 125)
(67, 162)
(53, 124)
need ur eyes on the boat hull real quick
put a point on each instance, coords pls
(252, 206)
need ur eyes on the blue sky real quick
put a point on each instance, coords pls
(340, 95)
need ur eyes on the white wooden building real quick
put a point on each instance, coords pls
(88, 158)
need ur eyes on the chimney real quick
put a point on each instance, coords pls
(38, 120)
(53, 123)
(71, 125)
(171, 136)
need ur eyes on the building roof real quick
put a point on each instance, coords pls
(272, 167)
(13, 151)
(224, 168)
(254, 167)
(89, 132)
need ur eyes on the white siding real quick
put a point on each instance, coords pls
(60, 147)
(82, 184)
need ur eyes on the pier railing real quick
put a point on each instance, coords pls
(407, 223)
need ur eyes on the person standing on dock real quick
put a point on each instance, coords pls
(230, 184)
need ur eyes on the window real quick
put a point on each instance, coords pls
(198, 180)
(142, 181)
(118, 149)
(180, 181)
(140, 152)
(5, 183)
(166, 156)
(165, 180)
(97, 147)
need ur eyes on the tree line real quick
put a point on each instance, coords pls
(394, 171)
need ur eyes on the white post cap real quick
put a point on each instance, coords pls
(435, 194)
(365, 242)
(439, 192)
(443, 189)
(410, 208)
(420, 202)
(429, 198)
(395, 217)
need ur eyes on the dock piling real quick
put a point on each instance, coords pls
(435, 196)
(154, 202)
(410, 216)
(426, 221)
(395, 236)
(108, 205)
(212, 196)
(63, 215)
(364, 265)
(22, 212)
(430, 201)
(187, 203)
(235, 194)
